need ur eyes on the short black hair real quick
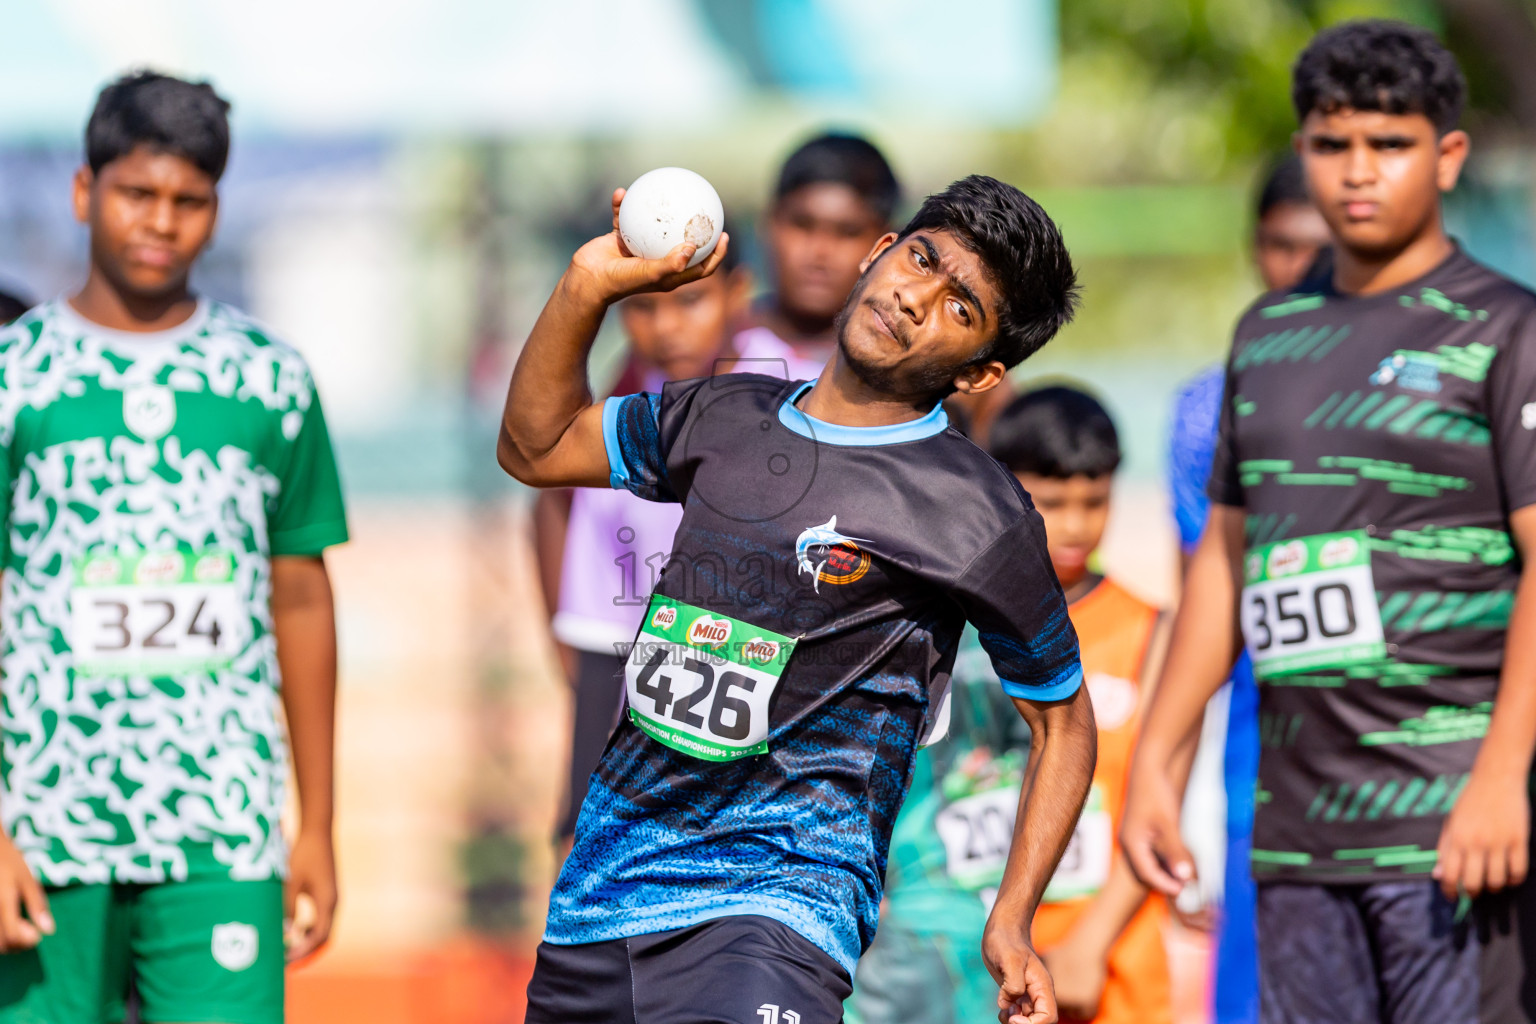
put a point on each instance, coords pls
(1285, 182)
(12, 306)
(733, 250)
(1379, 65)
(1057, 432)
(841, 159)
(169, 115)
(1023, 251)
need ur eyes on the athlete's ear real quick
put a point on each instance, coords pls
(80, 193)
(1454, 147)
(981, 378)
(883, 243)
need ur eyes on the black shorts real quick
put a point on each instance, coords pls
(733, 970)
(1394, 953)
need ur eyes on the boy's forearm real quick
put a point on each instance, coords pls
(304, 625)
(549, 383)
(1063, 749)
(1506, 751)
(1111, 910)
(1205, 645)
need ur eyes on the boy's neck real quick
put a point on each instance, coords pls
(840, 397)
(1079, 587)
(796, 329)
(102, 303)
(1356, 273)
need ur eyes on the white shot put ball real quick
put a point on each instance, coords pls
(669, 206)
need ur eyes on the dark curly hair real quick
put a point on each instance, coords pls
(1023, 252)
(1057, 432)
(168, 115)
(1385, 66)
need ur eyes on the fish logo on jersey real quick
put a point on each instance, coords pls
(829, 556)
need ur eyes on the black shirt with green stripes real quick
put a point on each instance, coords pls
(1377, 445)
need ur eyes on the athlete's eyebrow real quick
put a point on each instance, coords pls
(955, 280)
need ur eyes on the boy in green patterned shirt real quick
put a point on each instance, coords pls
(168, 490)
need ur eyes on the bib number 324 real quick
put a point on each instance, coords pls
(154, 613)
(701, 683)
(1310, 604)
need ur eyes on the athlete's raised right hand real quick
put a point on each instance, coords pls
(1149, 834)
(24, 916)
(612, 272)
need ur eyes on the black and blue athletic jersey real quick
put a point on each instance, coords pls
(871, 547)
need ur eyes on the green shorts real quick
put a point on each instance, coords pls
(199, 951)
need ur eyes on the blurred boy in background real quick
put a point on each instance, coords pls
(1097, 929)
(167, 489)
(1288, 235)
(834, 198)
(615, 545)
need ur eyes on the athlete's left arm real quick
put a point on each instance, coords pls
(1484, 844)
(304, 624)
(1063, 746)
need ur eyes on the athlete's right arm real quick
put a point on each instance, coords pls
(551, 430)
(1206, 643)
(24, 916)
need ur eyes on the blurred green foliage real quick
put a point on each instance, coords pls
(1199, 90)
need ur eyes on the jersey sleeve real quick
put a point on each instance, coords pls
(1009, 592)
(1512, 413)
(639, 432)
(309, 514)
(1191, 449)
(1224, 486)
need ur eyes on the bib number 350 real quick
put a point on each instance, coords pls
(702, 683)
(1309, 604)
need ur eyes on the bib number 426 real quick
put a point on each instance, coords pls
(701, 683)
(730, 716)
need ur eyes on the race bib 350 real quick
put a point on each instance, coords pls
(1309, 604)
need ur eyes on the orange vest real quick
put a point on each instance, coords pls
(1114, 630)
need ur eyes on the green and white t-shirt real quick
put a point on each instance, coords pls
(148, 481)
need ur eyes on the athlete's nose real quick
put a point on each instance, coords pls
(1361, 168)
(162, 219)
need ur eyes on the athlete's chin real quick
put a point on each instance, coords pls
(1371, 237)
(152, 282)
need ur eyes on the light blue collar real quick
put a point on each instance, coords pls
(935, 422)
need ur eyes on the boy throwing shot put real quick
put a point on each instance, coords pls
(836, 535)
(168, 489)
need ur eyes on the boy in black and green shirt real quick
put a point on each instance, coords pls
(1373, 484)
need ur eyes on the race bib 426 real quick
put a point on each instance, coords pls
(1309, 604)
(701, 683)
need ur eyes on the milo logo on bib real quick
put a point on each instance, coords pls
(1310, 604)
(709, 632)
(693, 689)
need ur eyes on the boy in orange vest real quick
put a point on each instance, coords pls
(1097, 929)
